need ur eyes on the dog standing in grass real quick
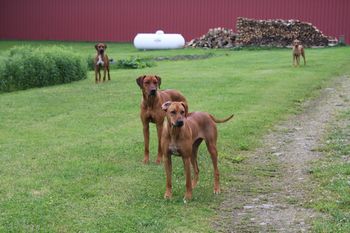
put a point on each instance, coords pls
(151, 109)
(182, 134)
(101, 60)
(298, 50)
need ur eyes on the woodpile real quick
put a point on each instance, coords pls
(215, 38)
(278, 33)
(251, 32)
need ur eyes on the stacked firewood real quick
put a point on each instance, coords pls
(278, 33)
(215, 38)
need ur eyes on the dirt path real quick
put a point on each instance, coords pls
(275, 203)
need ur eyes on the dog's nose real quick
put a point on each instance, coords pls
(179, 123)
(153, 92)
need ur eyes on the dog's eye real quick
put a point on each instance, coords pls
(182, 112)
(173, 112)
(147, 82)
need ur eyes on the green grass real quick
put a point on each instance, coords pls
(71, 155)
(332, 173)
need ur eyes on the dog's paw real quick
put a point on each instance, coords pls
(187, 197)
(194, 183)
(158, 161)
(217, 191)
(146, 161)
(168, 195)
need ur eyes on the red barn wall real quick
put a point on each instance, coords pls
(121, 20)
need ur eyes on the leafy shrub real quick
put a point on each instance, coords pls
(90, 62)
(134, 63)
(25, 67)
(131, 63)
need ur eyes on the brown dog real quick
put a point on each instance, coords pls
(151, 109)
(101, 60)
(298, 50)
(183, 133)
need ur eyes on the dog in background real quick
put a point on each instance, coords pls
(151, 109)
(101, 60)
(298, 50)
(182, 134)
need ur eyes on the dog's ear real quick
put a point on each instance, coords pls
(184, 104)
(96, 46)
(166, 105)
(159, 80)
(105, 46)
(139, 80)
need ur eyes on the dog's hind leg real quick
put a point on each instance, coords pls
(214, 157)
(194, 162)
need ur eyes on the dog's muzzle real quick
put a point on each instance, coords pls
(153, 92)
(179, 123)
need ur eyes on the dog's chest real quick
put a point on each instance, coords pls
(174, 149)
(99, 60)
(153, 115)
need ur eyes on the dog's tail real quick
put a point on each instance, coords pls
(220, 120)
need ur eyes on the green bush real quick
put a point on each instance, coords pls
(26, 67)
(90, 62)
(129, 63)
(134, 63)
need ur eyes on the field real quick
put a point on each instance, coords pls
(71, 155)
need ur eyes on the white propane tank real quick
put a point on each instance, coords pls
(158, 40)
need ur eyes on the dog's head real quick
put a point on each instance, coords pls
(100, 47)
(176, 112)
(296, 42)
(149, 84)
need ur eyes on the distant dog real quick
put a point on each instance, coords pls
(151, 108)
(101, 60)
(298, 50)
(182, 134)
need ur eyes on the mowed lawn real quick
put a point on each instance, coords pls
(71, 155)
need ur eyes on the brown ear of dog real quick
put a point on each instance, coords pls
(139, 80)
(186, 108)
(166, 105)
(159, 80)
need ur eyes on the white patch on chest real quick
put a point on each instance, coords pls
(174, 149)
(99, 61)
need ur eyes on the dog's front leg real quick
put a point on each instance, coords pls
(159, 133)
(104, 74)
(146, 141)
(294, 60)
(298, 60)
(99, 74)
(96, 79)
(187, 165)
(168, 171)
